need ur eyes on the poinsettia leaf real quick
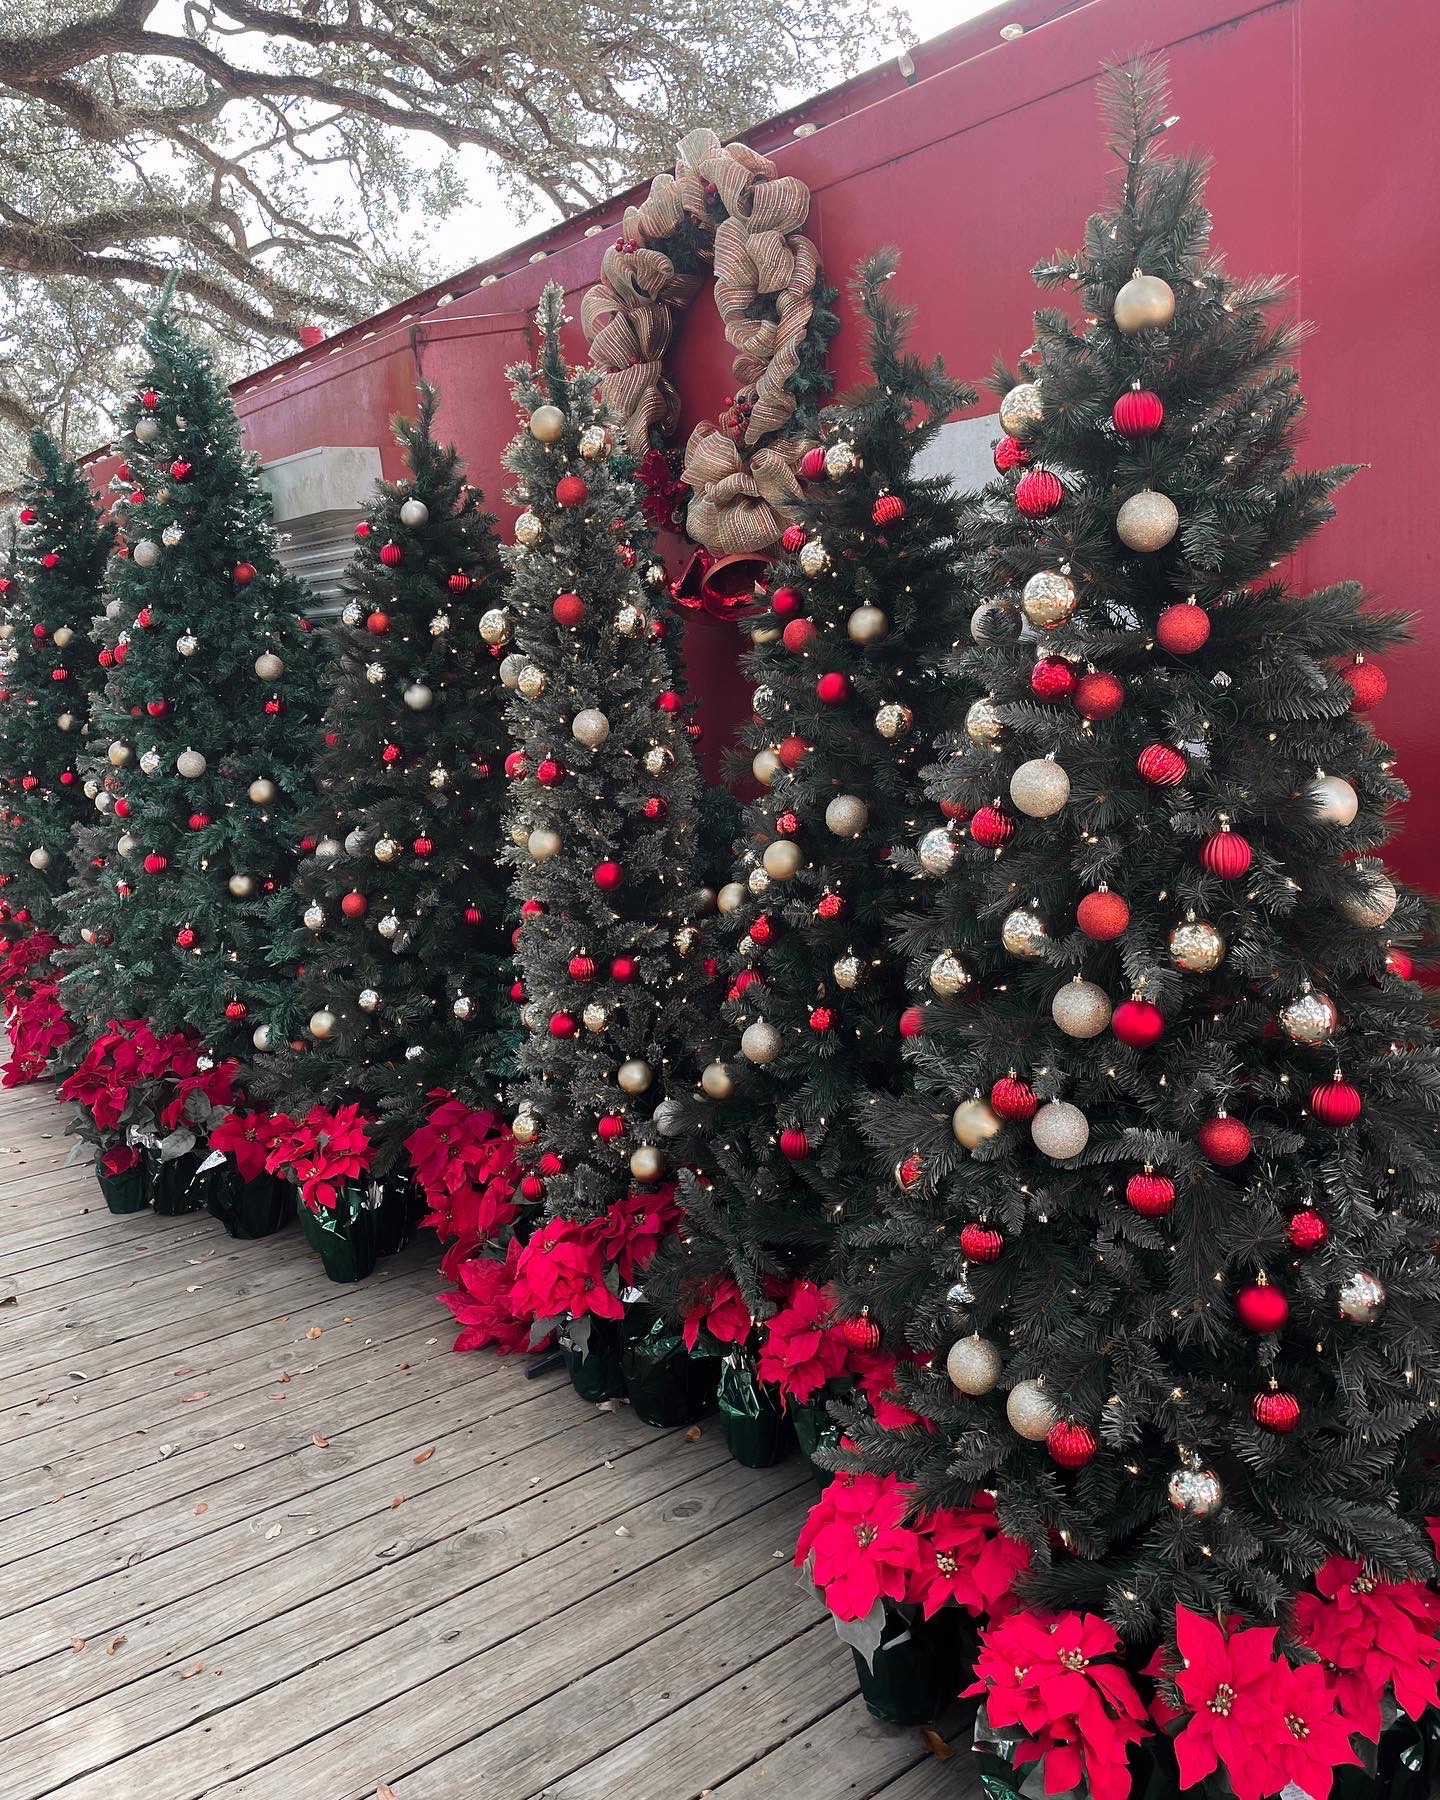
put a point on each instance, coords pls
(577, 1335)
(864, 1635)
(177, 1143)
(540, 1329)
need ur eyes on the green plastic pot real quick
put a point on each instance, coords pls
(249, 1209)
(666, 1385)
(757, 1432)
(127, 1192)
(815, 1430)
(362, 1228)
(177, 1186)
(911, 1680)
(597, 1375)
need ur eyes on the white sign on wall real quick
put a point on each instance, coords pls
(963, 450)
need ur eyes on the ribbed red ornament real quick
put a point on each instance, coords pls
(1278, 1412)
(1368, 684)
(991, 827)
(1224, 1141)
(571, 490)
(611, 1127)
(1400, 963)
(567, 610)
(1260, 1306)
(1010, 453)
(1226, 854)
(798, 635)
(532, 1188)
(552, 1163)
(1183, 628)
(391, 554)
(812, 464)
(1070, 1445)
(155, 863)
(1307, 1230)
(1039, 493)
(1162, 765)
(889, 509)
(785, 602)
(562, 1025)
(794, 1144)
(1335, 1103)
(1053, 678)
(791, 538)
(980, 1242)
(1138, 414)
(1138, 1023)
(582, 968)
(1103, 916)
(422, 846)
(459, 582)
(1098, 695)
(860, 1334)
(1014, 1099)
(912, 1022)
(833, 689)
(198, 821)
(236, 1009)
(1149, 1194)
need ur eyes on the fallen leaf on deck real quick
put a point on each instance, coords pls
(320, 1442)
(936, 1745)
(384, 1791)
(77, 1374)
(56, 1501)
(199, 1394)
(423, 1455)
(203, 1507)
(692, 1436)
(399, 1500)
(188, 1674)
(166, 1450)
(77, 1645)
(622, 1531)
(402, 1366)
(314, 1332)
(274, 1531)
(115, 1644)
(284, 1375)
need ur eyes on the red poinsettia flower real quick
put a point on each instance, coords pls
(486, 1305)
(1049, 1675)
(719, 1309)
(118, 1158)
(217, 1084)
(38, 1025)
(632, 1231)
(1314, 1739)
(1372, 1635)
(1227, 1679)
(560, 1271)
(463, 1159)
(859, 1547)
(801, 1352)
(324, 1152)
(252, 1138)
(967, 1560)
(875, 1370)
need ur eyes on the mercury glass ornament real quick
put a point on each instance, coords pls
(657, 759)
(594, 1016)
(782, 860)
(1310, 1018)
(510, 668)
(1081, 1009)
(1145, 303)
(841, 459)
(635, 1075)
(685, 939)
(388, 926)
(529, 529)
(262, 790)
(949, 975)
(1147, 521)
(417, 696)
(629, 621)
(369, 1000)
(937, 851)
(760, 1043)
(187, 643)
(973, 1365)
(982, 722)
(1022, 410)
(145, 554)
(374, 673)
(814, 558)
(1369, 906)
(974, 1121)
(847, 971)
(1040, 788)
(590, 727)
(1196, 947)
(757, 881)
(730, 897)
(386, 849)
(846, 816)
(1023, 933)
(269, 666)
(462, 1006)
(1031, 1411)
(531, 682)
(439, 776)
(313, 917)
(150, 762)
(547, 425)
(1195, 1491)
(867, 625)
(594, 442)
(1362, 1298)
(1060, 1130)
(322, 1023)
(189, 763)
(91, 790)
(543, 843)
(525, 1126)
(532, 1017)
(414, 513)
(1049, 599)
(351, 613)
(495, 625)
(439, 624)
(894, 719)
(171, 535)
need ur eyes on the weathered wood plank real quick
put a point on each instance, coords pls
(844, 1755)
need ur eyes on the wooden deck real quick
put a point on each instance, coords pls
(267, 1537)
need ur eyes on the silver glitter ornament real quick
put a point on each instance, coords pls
(1031, 1412)
(1039, 788)
(145, 554)
(39, 857)
(1372, 904)
(846, 816)
(1147, 521)
(190, 763)
(328, 849)
(1081, 1009)
(269, 666)
(262, 790)
(760, 1043)
(1060, 1130)
(590, 727)
(973, 1365)
(146, 429)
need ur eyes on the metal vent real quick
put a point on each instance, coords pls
(318, 497)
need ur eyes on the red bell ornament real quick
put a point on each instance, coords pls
(1103, 916)
(1336, 1103)
(1138, 1023)
(1071, 1445)
(1261, 1307)
(1010, 453)
(1225, 854)
(794, 1144)
(1276, 1411)
(1099, 696)
(1149, 1194)
(1162, 765)
(1182, 629)
(1053, 678)
(980, 1242)
(1138, 414)
(1039, 493)
(1014, 1099)
(1224, 1141)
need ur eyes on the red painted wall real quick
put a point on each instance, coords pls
(1326, 143)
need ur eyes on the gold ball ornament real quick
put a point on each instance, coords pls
(757, 881)
(766, 767)
(937, 851)
(1310, 1018)
(841, 459)
(1081, 1009)
(1372, 904)
(525, 1127)
(814, 558)
(782, 860)
(1145, 303)
(1048, 599)
(867, 625)
(1039, 788)
(1022, 410)
(1023, 933)
(39, 857)
(241, 887)
(717, 1081)
(657, 759)
(1362, 1298)
(1196, 947)
(529, 529)
(894, 720)
(387, 849)
(949, 975)
(1031, 1412)
(547, 424)
(974, 1122)
(590, 727)
(495, 625)
(510, 667)
(269, 666)
(629, 621)
(846, 816)
(323, 1023)
(760, 1043)
(1195, 1491)
(973, 1365)
(982, 722)
(1147, 521)
(634, 1075)
(543, 843)
(262, 790)
(1332, 799)
(731, 897)
(647, 1162)
(1060, 1130)
(62, 637)
(119, 754)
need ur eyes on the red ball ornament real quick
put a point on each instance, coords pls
(860, 1334)
(812, 464)
(391, 753)
(568, 610)
(582, 968)
(532, 1188)
(1226, 854)
(1224, 1141)
(889, 509)
(1260, 1306)
(459, 582)
(1150, 1195)
(243, 574)
(830, 906)
(1335, 1103)
(654, 806)
(179, 469)
(610, 1127)
(1038, 493)
(377, 624)
(157, 709)
(517, 991)
(791, 538)
(1103, 916)
(197, 821)
(391, 554)
(1367, 682)
(236, 1009)
(28, 515)
(354, 905)
(1014, 1099)
(833, 689)
(1400, 963)
(912, 1022)
(1070, 1445)
(1277, 1411)
(1053, 678)
(149, 399)
(1183, 628)
(552, 1163)
(1307, 1230)
(531, 909)
(562, 1025)
(67, 777)
(952, 809)
(1010, 453)
(38, 631)
(1138, 1023)
(669, 701)
(609, 877)
(422, 846)
(980, 1242)
(156, 863)
(548, 772)
(185, 937)
(571, 490)
(798, 635)
(362, 530)
(792, 751)
(515, 764)
(1162, 765)
(785, 602)
(991, 827)
(822, 1019)
(743, 982)
(623, 969)
(50, 560)
(1138, 414)
(761, 930)
(794, 1144)
(1099, 696)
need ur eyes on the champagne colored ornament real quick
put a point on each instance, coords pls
(731, 897)
(262, 791)
(269, 666)
(39, 857)
(974, 1121)
(982, 722)
(949, 975)
(1196, 947)
(1081, 1009)
(263, 1038)
(760, 1043)
(1362, 1298)
(634, 1075)
(63, 637)
(542, 843)
(1332, 799)
(894, 720)
(1060, 1130)
(1031, 1411)
(1145, 303)
(531, 682)
(547, 424)
(937, 851)
(847, 816)
(1310, 1018)
(1195, 1491)
(495, 625)
(190, 763)
(1147, 521)
(146, 553)
(782, 860)
(717, 1081)
(1371, 905)
(323, 1023)
(647, 1162)
(867, 625)
(973, 1365)
(590, 727)
(1021, 411)
(1049, 599)
(418, 696)
(766, 767)
(1039, 788)
(118, 754)
(1023, 933)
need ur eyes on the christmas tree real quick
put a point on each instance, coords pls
(200, 740)
(602, 821)
(400, 899)
(846, 703)
(1174, 1246)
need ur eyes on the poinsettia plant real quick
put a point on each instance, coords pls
(807, 1351)
(327, 1151)
(487, 1307)
(250, 1139)
(572, 1271)
(463, 1161)
(125, 1082)
(38, 1025)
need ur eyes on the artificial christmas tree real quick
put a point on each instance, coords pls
(49, 594)
(399, 897)
(602, 821)
(1168, 1268)
(200, 747)
(845, 703)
